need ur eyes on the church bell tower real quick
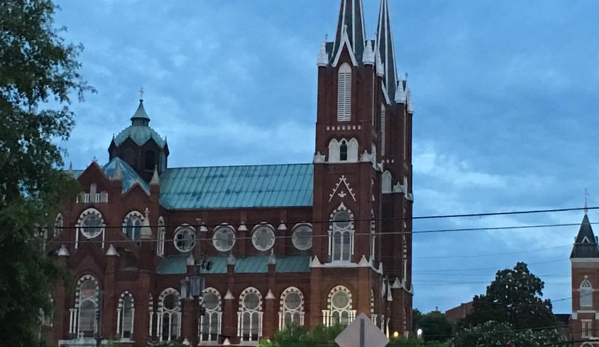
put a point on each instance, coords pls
(362, 200)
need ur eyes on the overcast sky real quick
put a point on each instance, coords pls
(506, 110)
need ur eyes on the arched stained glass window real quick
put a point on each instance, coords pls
(132, 225)
(210, 322)
(169, 315)
(250, 315)
(291, 308)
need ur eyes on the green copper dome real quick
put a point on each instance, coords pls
(139, 131)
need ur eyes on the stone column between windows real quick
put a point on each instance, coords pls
(108, 298)
(269, 315)
(229, 322)
(316, 306)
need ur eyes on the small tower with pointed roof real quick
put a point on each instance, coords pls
(140, 146)
(584, 259)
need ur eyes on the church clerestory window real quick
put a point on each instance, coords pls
(185, 238)
(132, 225)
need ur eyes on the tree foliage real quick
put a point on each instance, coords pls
(514, 297)
(493, 333)
(299, 336)
(511, 313)
(39, 76)
(435, 326)
(322, 336)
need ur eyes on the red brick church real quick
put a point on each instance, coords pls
(231, 254)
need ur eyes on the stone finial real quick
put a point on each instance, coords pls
(322, 59)
(242, 227)
(231, 259)
(400, 93)
(146, 231)
(315, 262)
(111, 252)
(319, 158)
(270, 295)
(363, 262)
(282, 226)
(229, 296)
(272, 260)
(191, 260)
(226, 342)
(155, 180)
(63, 251)
(71, 168)
(117, 175)
(368, 57)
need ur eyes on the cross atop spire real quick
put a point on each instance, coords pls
(351, 22)
(141, 94)
(586, 206)
(385, 48)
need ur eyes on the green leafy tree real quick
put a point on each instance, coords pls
(511, 313)
(435, 326)
(38, 78)
(514, 297)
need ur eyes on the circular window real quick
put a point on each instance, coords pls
(340, 300)
(88, 289)
(223, 239)
(185, 239)
(91, 224)
(292, 301)
(263, 238)
(170, 302)
(251, 301)
(342, 219)
(210, 301)
(302, 237)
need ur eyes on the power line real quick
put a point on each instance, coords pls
(198, 221)
(379, 233)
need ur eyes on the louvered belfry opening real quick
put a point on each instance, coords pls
(344, 93)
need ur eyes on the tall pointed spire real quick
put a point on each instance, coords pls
(351, 22)
(585, 245)
(385, 48)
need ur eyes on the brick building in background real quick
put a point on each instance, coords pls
(584, 320)
(307, 244)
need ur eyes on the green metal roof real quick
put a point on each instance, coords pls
(252, 264)
(140, 134)
(140, 113)
(218, 187)
(130, 176)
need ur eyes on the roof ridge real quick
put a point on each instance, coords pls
(235, 165)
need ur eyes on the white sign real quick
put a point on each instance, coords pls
(362, 333)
